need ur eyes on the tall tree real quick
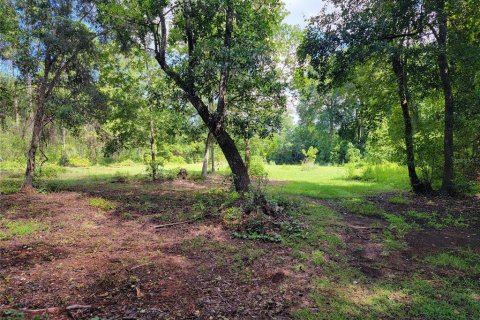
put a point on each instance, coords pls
(358, 31)
(53, 43)
(205, 48)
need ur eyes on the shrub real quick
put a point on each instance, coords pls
(78, 162)
(49, 171)
(310, 157)
(256, 167)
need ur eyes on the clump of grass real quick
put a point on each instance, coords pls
(101, 204)
(318, 257)
(361, 207)
(196, 243)
(126, 216)
(399, 199)
(246, 257)
(9, 228)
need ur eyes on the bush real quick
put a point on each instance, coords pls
(78, 162)
(310, 157)
(49, 171)
(256, 167)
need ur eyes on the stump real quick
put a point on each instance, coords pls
(182, 174)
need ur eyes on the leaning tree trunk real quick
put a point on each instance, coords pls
(400, 73)
(31, 155)
(205, 156)
(448, 172)
(241, 179)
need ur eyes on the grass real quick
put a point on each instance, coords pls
(463, 260)
(101, 204)
(328, 182)
(399, 199)
(19, 228)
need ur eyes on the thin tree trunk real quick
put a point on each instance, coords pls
(31, 155)
(28, 113)
(247, 152)
(15, 109)
(400, 73)
(152, 147)
(205, 156)
(64, 142)
(442, 60)
(212, 153)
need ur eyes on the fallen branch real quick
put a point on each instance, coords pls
(174, 224)
(35, 312)
(78, 306)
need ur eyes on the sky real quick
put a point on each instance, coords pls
(301, 9)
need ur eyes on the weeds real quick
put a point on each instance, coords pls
(101, 204)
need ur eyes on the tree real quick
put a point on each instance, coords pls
(53, 45)
(207, 47)
(358, 31)
(144, 109)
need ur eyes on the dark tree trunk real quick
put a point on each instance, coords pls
(205, 156)
(399, 69)
(153, 153)
(442, 60)
(32, 151)
(247, 152)
(235, 161)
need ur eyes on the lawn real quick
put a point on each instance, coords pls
(318, 182)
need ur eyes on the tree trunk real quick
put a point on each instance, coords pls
(29, 112)
(15, 109)
(37, 129)
(400, 72)
(152, 148)
(205, 156)
(247, 152)
(212, 153)
(241, 179)
(442, 60)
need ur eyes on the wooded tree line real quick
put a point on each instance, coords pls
(372, 80)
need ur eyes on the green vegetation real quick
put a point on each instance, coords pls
(18, 228)
(101, 204)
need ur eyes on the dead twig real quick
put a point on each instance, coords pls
(174, 224)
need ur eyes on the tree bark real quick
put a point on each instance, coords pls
(205, 156)
(399, 69)
(153, 153)
(443, 67)
(212, 153)
(32, 151)
(241, 178)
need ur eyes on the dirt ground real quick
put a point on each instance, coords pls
(91, 262)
